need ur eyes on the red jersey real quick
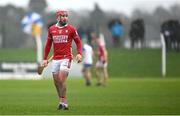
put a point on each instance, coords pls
(61, 38)
(101, 53)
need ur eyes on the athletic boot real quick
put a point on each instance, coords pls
(63, 106)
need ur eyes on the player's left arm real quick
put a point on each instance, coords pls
(78, 45)
(105, 54)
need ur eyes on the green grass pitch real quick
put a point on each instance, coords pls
(122, 62)
(135, 87)
(121, 96)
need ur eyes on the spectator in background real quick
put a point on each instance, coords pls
(171, 32)
(137, 32)
(87, 62)
(116, 29)
(102, 61)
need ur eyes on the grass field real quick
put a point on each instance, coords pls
(135, 87)
(122, 62)
(121, 96)
(142, 63)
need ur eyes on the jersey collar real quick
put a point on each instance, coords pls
(61, 26)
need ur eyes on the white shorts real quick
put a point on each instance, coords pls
(100, 64)
(63, 64)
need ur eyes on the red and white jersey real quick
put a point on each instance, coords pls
(101, 53)
(101, 48)
(61, 38)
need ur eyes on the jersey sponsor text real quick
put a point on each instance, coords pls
(60, 39)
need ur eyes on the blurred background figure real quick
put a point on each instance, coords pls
(90, 32)
(87, 62)
(171, 31)
(116, 29)
(102, 61)
(136, 33)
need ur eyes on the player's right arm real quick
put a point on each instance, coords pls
(47, 48)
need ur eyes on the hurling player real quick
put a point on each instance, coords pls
(61, 35)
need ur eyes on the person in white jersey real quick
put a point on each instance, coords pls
(87, 62)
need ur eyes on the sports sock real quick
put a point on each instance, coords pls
(63, 100)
